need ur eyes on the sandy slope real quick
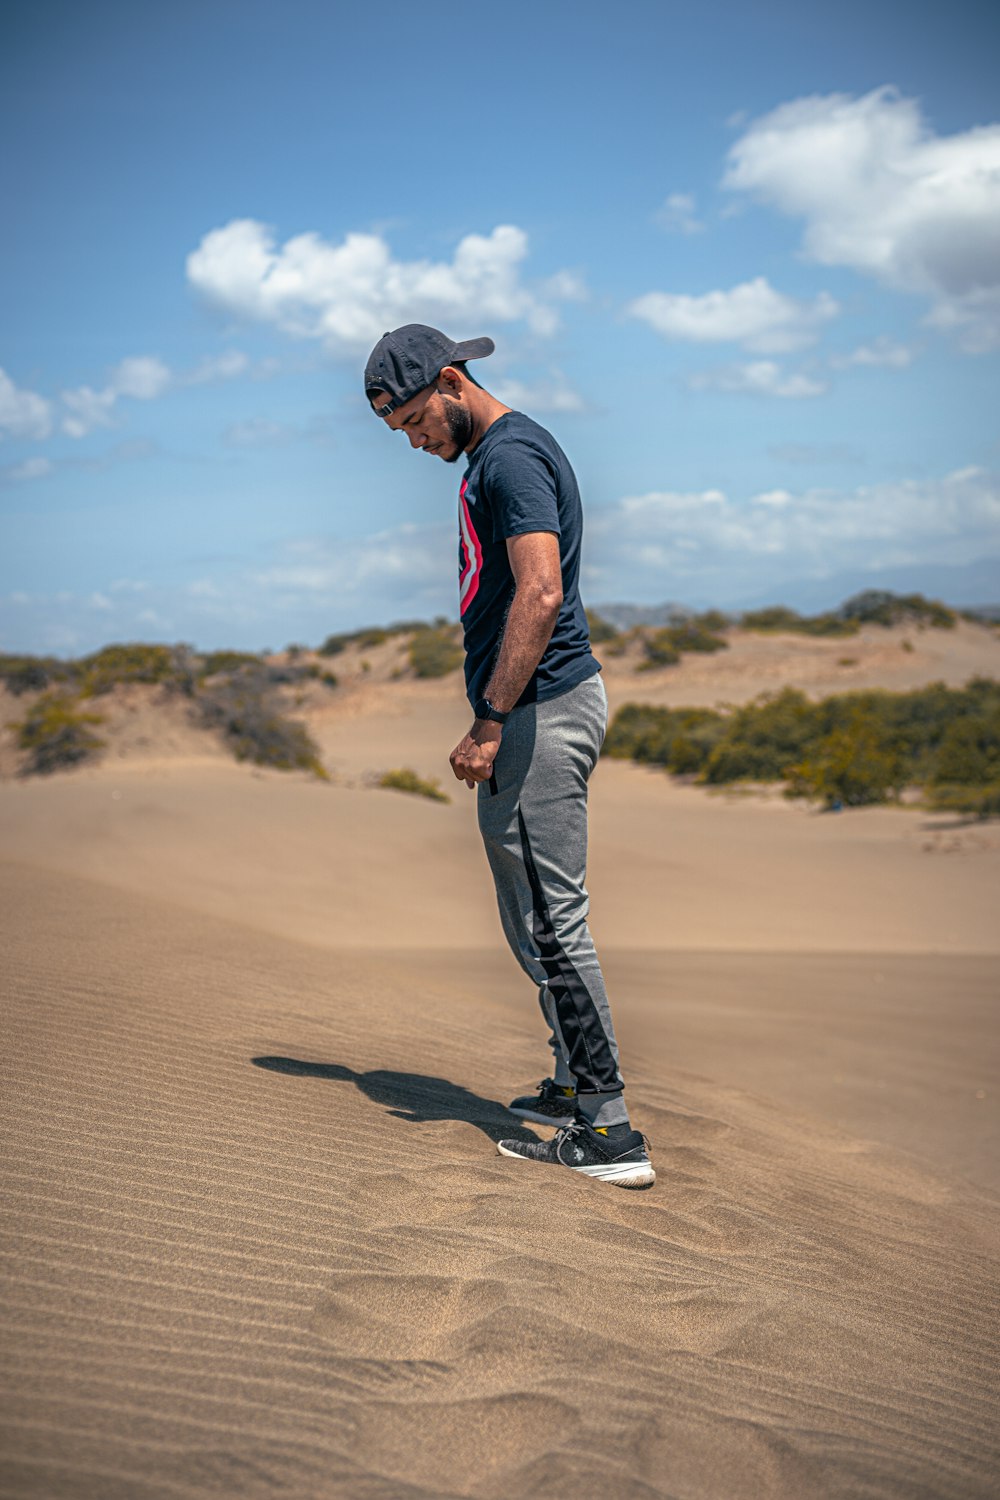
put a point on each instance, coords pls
(259, 1032)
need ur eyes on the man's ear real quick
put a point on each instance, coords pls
(449, 382)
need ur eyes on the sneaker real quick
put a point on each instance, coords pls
(552, 1105)
(624, 1161)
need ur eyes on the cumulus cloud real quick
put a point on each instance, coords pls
(258, 432)
(23, 414)
(218, 367)
(761, 377)
(548, 395)
(883, 352)
(753, 314)
(671, 538)
(348, 294)
(141, 377)
(31, 468)
(678, 215)
(880, 192)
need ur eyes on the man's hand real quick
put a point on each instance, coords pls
(472, 758)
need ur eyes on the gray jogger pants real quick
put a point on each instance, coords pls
(533, 819)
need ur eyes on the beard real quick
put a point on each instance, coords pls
(459, 422)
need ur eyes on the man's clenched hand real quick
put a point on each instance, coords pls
(472, 758)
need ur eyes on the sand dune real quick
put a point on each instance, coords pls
(260, 1243)
(259, 1032)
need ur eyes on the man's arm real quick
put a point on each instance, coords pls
(535, 564)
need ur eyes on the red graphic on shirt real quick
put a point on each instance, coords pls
(470, 555)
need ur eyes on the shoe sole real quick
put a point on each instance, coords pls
(537, 1118)
(631, 1174)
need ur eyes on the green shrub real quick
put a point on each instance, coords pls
(365, 640)
(172, 666)
(713, 620)
(881, 607)
(857, 764)
(969, 752)
(226, 661)
(681, 739)
(763, 738)
(435, 652)
(405, 780)
(664, 647)
(602, 632)
(32, 674)
(660, 650)
(244, 709)
(57, 735)
(852, 747)
(777, 619)
(983, 801)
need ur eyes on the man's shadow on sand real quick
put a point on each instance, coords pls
(412, 1096)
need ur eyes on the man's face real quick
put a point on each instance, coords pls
(433, 421)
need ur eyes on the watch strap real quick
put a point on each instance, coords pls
(483, 709)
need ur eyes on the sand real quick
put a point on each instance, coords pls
(259, 1031)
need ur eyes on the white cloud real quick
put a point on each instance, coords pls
(883, 352)
(881, 193)
(348, 294)
(218, 367)
(23, 414)
(753, 314)
(772, 497)
(666, 538)
(761, 377)
(88, 409)
(552, 394)
(31, 468)
(258, 432)
(678, 214)
(141, 377)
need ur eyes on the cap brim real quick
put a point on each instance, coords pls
(473, 349)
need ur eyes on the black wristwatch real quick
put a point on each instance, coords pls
(483, 709)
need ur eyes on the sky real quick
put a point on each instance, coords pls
(741, 258)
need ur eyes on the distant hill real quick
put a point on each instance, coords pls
(975, 584)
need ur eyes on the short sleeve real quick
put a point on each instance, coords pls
(521, 490)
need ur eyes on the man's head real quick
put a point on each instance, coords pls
(416, 381)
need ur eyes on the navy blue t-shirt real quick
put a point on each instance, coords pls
(519, 480)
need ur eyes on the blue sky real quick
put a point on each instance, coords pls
(743, 259)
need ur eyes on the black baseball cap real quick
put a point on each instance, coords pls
(411, 358)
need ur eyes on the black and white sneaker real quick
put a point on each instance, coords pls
(552, 1105)
(623, 1160)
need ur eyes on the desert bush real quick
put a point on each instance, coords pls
(969, 752)
(881, 607)
(32, 674)
(664, 647)
(602, 632)
(365, 639)
(855, 765)
(851, 747)
(244, 709)
(434, 652)
(679, 738)
(214, 662)
(172, 666)
(982, 801)
(659, 650)
(57, 734)
(778, 619)
(713, 621)
(763, 738)
(405, 780)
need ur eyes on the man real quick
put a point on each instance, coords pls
(540, 714)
